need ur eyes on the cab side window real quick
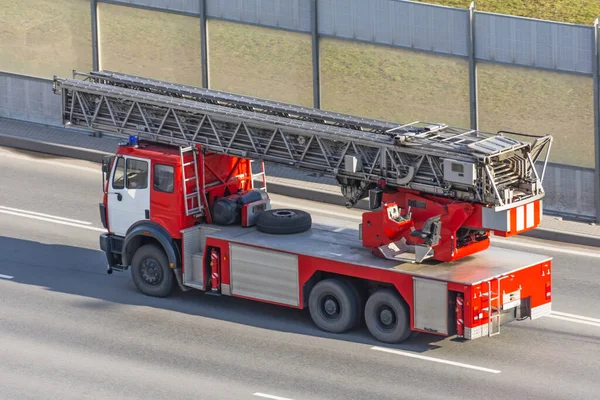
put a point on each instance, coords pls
(119, 175)
(163, 178)
(137, 174)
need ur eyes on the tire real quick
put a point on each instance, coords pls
(283, 221)
(360, 295)
(150, 271)
(334, 306)
(383, 306)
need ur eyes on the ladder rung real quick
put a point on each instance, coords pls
(190, 178)
(194, 210)
(188, 163)
(186, 149)
(191, 195)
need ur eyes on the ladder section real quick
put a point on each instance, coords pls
(237, 101)
(494, 307)
(192, 190)
(262, 175)
(411, 156)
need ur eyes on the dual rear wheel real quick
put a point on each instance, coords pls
(337, 306)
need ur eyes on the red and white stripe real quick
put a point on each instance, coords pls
(525, 217)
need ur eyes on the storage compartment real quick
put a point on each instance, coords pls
(460, 172)
(264, 274)
(430, 305)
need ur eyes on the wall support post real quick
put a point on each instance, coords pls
(472, 70)
(95, 51)
(203, 44)
(596, 71)
(315, 54)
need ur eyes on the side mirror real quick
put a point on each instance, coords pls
(107, 162)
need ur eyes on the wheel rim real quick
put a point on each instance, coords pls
(329, 307)
(151, 271)
(284, 213)
(386, 318)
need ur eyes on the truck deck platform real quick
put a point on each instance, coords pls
(323, 241)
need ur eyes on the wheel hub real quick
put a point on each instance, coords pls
(330, 307)
(284, 213)
(387, 317)
(151, 271)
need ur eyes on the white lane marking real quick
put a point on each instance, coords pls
(352, 216)
(438, 360)
(59, 164)
(6, 276)
(564, 314)
(579, 321)
(45, 215)
(270, 396)
(91, 228)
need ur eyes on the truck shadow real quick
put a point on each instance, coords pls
(82, 272)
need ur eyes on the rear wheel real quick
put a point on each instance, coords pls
(387, 317)
(150, 271)
(334, 306)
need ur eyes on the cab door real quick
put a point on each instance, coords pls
(128, 194)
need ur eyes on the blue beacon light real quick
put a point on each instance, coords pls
(133, 140)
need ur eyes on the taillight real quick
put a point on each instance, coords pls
(548, 291)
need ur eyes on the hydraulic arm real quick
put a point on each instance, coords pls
(443, 188)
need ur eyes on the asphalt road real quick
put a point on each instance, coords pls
(69, 330)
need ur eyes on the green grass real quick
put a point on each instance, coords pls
(393, 84)
(148, 43)
(403, 86)
(540, 102)
(45, 37)
(572, 11)
(261, 62)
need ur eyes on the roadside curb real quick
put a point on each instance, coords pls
(52, 148)
(563, 237)
(304, 193)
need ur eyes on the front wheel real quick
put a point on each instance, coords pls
(387, 317)
(150, 271)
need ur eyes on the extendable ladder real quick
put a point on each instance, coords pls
(359, 152)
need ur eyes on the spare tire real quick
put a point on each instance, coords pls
(283, 221)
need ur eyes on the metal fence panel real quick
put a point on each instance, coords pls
(287, 14)
(397, 23)
(29, 99)
(569, 191)
(533, 43)
(187, 6)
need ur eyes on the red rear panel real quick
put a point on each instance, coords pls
(523, 293)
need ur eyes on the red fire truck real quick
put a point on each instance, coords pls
(185, 203)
